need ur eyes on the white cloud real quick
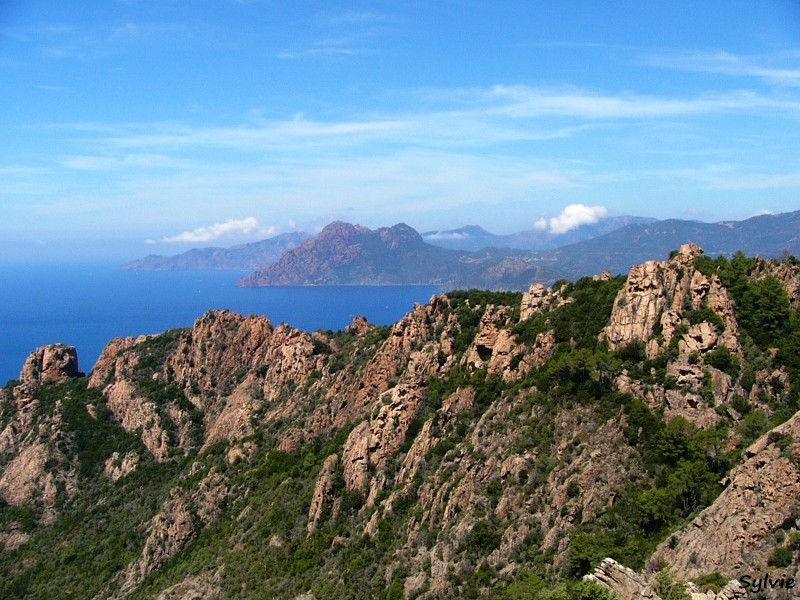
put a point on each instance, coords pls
(571, 217)
(444, 235)
(232, 227)
(763, 212)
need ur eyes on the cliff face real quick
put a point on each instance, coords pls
(486, 441)
(658, 296)
(31, 441)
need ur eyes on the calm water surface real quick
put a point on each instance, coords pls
(87, 305)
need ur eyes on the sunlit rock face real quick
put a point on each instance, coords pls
(52, 363)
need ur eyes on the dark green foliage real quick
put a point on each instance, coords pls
(532, 586)
(672, 445)
(762, 307)
(527, 330)
(754, 424)
(95, 439)
(764, 312)
(484, 297)
(781, 557)
(781, 440)
(154, 350)
(573, 490)
(469, 320)
(642, 425)
(633, 352)
(26, 517)
(589, 590)
(470, 305)
(581, 321)
(668, 588)
(733, 274)
(723, 359)
(686, 465)
(352, 350)
(713, 581)
(485, 536)
(740, 405)
(376, 335)
(97, 536)
(92, 440)
(705, 315)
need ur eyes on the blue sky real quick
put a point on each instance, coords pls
(132, 127)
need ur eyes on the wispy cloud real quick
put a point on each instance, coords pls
(527, 102)
(476, 118)
(341, 34)
(65, 41)
(720, 176)
(778, 69)
(323, 49)
(353, 17)
(508, 147)
(571, 217)
(232, 227)
(754, 181)
(93, 162)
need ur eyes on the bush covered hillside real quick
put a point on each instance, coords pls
(489, 444)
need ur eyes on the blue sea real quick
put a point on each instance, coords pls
(87, 305)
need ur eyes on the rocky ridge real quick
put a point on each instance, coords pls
(477, 433)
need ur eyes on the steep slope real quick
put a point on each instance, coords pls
(488, 444)
(243, 256)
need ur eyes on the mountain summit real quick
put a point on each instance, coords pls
(343, 253)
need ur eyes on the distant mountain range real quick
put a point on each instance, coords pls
(345, 254)
(243, 256)
(768, 236)
(473, 237)
(470, 238)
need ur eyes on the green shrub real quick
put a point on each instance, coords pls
(485, 536)
(781, 557)
(707, 315)
(633, 352)
(713, 581)
(589, 590)
(723, 359)
(668, 588)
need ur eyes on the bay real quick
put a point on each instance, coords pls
(87, 305)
